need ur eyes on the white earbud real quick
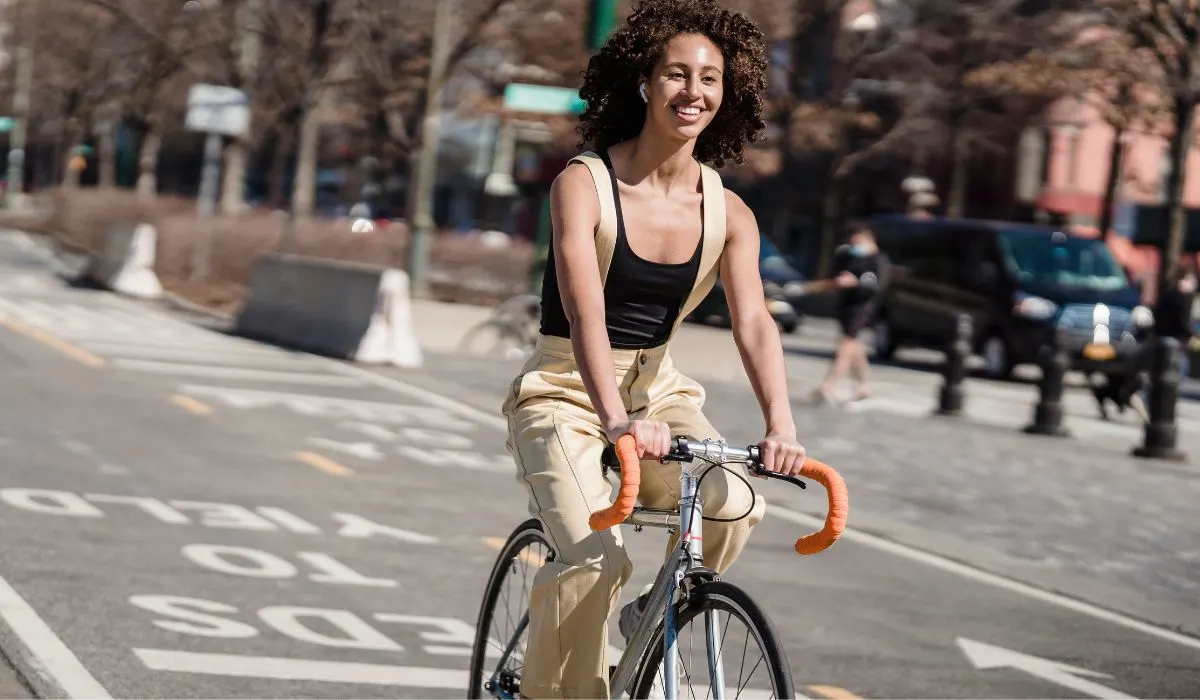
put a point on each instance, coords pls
(642, 92)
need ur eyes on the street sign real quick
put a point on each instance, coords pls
(544, 99)
(6, 124)
(217, 109)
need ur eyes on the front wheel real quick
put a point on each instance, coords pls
(733, 665)
(498, 654)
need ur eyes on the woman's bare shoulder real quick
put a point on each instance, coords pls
(575, 180)
(573, 198)
(739, 217)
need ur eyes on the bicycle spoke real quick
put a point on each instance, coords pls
(742, 665)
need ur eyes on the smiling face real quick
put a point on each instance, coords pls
(685, 87)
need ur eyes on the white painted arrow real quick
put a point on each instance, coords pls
(985, 656)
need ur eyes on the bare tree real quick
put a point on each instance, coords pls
(152, 64)
(1102, 70)
(1169, 31)
(960, 41)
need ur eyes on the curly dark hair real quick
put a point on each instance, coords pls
(615, 112)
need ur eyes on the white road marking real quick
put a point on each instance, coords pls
(48, 651)
(873, 541)
(301, 669)
(235, 373)
(465, 410)
(209, 355)
(1011, 585)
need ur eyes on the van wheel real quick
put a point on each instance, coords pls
(997, 361)
(884, 341)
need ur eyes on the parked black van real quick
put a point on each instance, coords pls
(1022, 285)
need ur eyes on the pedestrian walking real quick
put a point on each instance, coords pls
(860, 277)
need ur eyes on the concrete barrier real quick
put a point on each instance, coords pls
(339, 309)
(125, 261)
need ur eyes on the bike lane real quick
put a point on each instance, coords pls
(192, 529)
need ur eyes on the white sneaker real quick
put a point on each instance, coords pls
(630, 616)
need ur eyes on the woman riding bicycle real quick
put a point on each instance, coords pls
(641, 228)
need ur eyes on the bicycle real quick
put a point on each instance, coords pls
(683, 588)
(512, 328)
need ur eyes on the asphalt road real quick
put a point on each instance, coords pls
(187, 514)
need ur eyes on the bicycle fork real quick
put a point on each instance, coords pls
(692, 538)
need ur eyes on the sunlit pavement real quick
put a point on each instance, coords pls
(188, 514)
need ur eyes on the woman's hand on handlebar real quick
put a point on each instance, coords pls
(782, 454)
(653, 437)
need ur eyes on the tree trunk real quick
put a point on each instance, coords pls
(107, 155)
(233, 200)
(147, 184)
(304, 191)
(279, 164)
(1175, 215)
(248, 48)
(782, 190)
(1115, 154)
(830, 211)
(956, 199)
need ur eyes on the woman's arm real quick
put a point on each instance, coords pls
(757, 336)
(575, 213)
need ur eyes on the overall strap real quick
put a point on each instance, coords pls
(606, 234)
(714, 241)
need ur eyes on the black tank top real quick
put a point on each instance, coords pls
(642, 299)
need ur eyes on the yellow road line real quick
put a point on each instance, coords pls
(323, 463)
(191, 405)
(833, 692)
(75, 353)
(525, 555)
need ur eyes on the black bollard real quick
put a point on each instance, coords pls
(1048, 414)
(1161, 433)
(954, 370)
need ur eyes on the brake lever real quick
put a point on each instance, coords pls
(763, 471)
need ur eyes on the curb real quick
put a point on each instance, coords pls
(173, 300)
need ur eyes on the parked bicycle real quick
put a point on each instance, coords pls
(509, 331)
(683, 590)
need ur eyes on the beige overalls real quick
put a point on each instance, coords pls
(556, 439)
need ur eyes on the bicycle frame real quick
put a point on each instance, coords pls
(685, 556)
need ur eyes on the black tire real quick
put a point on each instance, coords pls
(525, 534)
(720, 595)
